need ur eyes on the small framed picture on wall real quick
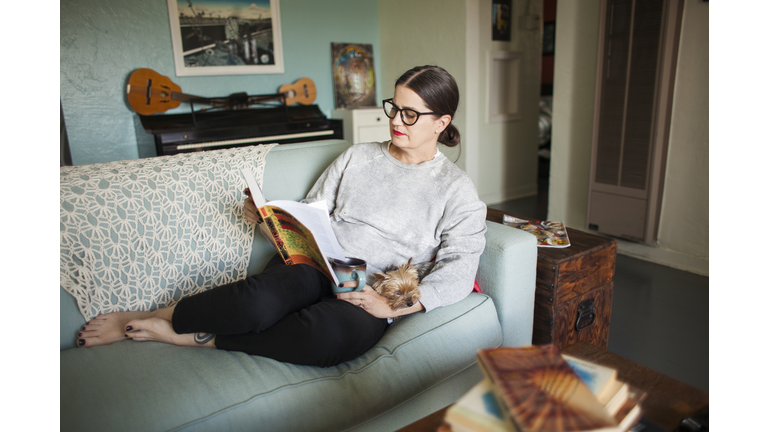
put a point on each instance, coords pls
(501, 20)
(226, 37)
(354, 81)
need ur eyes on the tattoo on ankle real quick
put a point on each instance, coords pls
(203, 338)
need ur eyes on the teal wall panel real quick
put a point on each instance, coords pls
(103, 41)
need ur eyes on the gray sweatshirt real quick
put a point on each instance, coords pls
(385, 212)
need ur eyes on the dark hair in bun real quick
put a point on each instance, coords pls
(440, 93)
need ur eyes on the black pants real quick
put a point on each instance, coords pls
(287, 313)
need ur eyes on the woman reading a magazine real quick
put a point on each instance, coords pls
(388, 202)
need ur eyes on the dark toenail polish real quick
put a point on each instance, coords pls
(83, 328)
(80, 334)
(128, 328)
(81, 342)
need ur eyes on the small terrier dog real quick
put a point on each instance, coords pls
(400, 284)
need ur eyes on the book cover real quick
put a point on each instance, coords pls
(540, 391)
(478, 410)
(548, 233)
(301, 233)
(601, 380)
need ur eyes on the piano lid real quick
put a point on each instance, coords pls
(210, 121)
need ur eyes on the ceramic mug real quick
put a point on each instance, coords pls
(348, 269)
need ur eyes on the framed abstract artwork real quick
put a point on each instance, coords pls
(226, 37)
(354, 83)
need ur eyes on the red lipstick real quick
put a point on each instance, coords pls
(397, 133)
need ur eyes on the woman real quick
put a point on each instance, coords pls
(389, 202)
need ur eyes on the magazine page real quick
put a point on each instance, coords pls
(301, 233)
(315, 217)
(294, 241)
(548, 233)
(253, 186)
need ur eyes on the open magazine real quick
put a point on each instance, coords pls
(301, 233)
(548, 233)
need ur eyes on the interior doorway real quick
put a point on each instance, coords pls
(536, 207)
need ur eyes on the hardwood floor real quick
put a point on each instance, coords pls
(660, 315)
(660, 319)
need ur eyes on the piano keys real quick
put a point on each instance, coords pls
(208, 130)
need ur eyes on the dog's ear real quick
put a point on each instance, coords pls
(410, 260)
(380, 275)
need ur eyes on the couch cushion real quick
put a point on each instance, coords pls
(151, 386)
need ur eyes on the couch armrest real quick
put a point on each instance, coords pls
(507, 273)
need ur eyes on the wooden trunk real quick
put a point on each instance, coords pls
(574, 289)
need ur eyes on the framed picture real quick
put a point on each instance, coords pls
(354, 83)
(501, 20)
(226, 37)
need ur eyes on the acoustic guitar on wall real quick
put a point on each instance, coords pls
(149, 92)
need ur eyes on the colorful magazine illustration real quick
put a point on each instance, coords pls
(300, 232)
(548, 233)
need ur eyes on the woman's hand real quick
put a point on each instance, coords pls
(249, 209)
(373, 303)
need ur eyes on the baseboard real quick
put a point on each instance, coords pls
(667, 258)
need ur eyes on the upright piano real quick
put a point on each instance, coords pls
(208, 130)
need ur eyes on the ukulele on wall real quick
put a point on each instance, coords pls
(150, 93)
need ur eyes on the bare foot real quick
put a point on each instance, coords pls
(107, 328)
(152, 329)
(161, 330)
(112, 327)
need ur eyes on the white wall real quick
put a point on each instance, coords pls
(456, 34)
(427, 32)
(507, 162)
(684, 224)
(572, 110)
(683, 238)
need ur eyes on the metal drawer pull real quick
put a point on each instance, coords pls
(585, 315)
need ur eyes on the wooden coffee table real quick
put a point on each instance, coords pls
(668, 402)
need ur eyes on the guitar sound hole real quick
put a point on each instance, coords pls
(149, 90)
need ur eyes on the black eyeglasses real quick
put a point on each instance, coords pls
(407, 115)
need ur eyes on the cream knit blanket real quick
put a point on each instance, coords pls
(142, 234)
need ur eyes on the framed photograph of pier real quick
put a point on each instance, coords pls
(226, 37)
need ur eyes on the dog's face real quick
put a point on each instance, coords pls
(400, 286)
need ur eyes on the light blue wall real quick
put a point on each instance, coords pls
(103, 41)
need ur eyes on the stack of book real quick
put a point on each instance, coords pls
(538, 389)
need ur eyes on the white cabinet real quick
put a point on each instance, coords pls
(363, 124)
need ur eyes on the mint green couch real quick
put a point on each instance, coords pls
(423, 363)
